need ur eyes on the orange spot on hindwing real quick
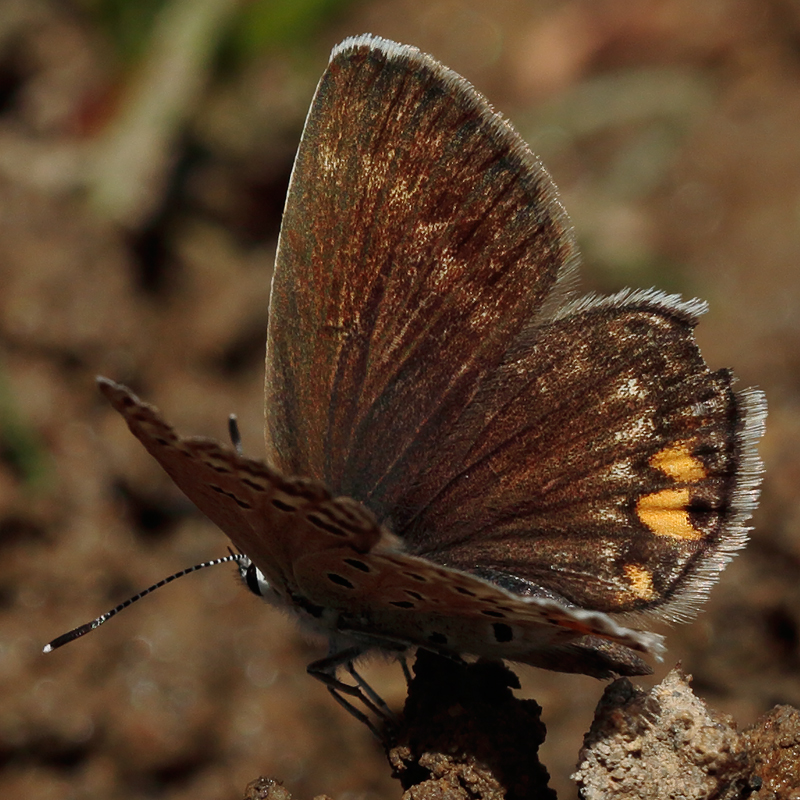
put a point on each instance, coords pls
(640, 581)
(678, 463)
(666, 513)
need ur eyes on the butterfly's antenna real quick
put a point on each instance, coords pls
(90, 626)
(234, 433)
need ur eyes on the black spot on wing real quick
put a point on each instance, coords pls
(502, 632)
(325, 525)
(340, 580)
(354, 562)
(239, 502)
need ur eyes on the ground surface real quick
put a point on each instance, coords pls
(671, 130)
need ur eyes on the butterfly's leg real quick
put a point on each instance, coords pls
(354, 712)
(325, 671)
(379, 702)
(406, 671)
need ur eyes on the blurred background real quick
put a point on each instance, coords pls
(145, 148)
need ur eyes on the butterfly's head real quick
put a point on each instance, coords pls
(253, 578)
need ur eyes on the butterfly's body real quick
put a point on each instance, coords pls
(488, 465)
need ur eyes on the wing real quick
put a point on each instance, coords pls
(318, 552)
(399, 598)
(610, 467)
(272, 518)
(422, 359)
(420, 234)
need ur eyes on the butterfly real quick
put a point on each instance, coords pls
(461, 454)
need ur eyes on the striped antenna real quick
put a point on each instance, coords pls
(90, 626)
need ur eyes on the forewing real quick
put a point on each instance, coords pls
(420, 234)
(272, 518)
(610, 466)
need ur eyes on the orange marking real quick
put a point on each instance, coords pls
(666, 514)
(641, 581)
(677, 462)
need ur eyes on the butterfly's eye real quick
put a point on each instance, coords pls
(254, 579)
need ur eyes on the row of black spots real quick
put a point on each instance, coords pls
(406, 604)
(490, 612)
(239, 502)
(415, 576)
(463, 590)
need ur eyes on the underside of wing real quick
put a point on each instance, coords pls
(272, 518)
(414, 602)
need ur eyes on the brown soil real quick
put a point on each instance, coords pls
(671, 128)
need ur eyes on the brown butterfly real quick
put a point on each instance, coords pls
(460, 455)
